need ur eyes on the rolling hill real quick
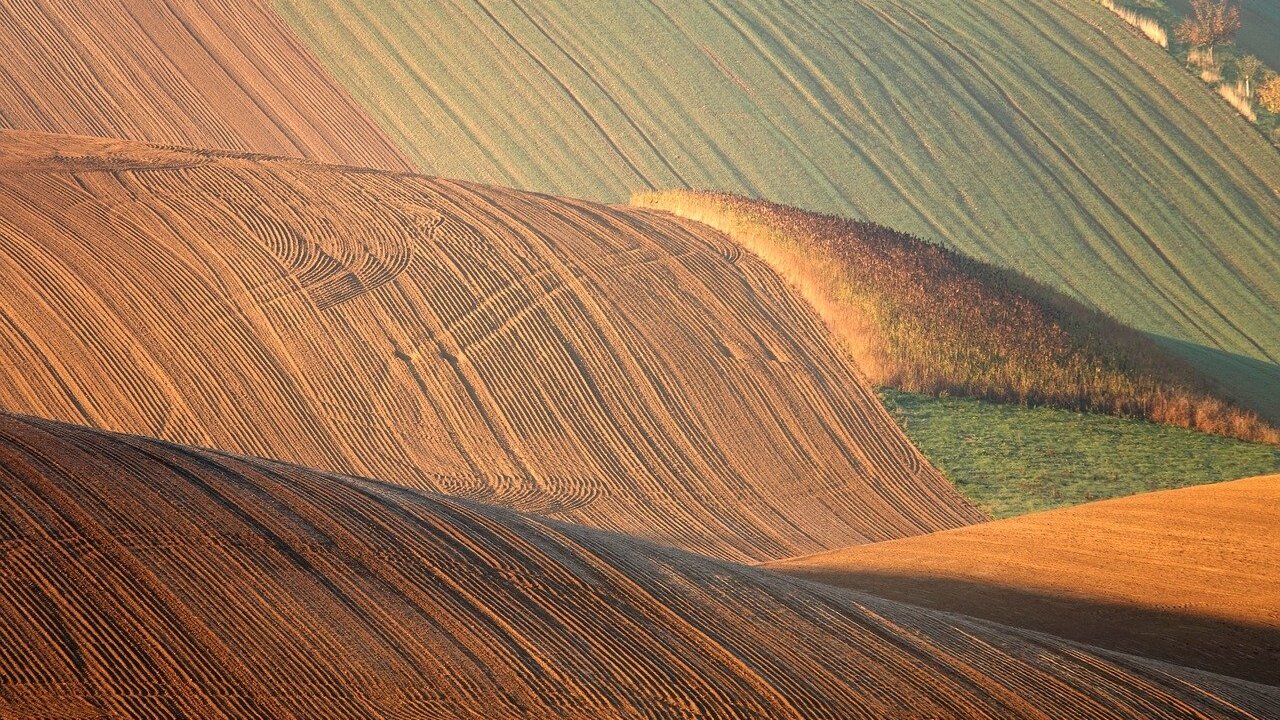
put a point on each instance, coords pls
(921, 318)
(1042, 135)
(609, 366)
(144, 579)
(1190, 576)
(227, 75)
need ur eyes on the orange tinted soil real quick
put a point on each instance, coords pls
(142, 579)
(609, 366)
(1190, 575)
(226, 74)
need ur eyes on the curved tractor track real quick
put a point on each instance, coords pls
(1043, 135)
(221, 74)
(602, 365)
(141, 579)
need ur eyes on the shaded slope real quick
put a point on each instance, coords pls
(226, 74)
(610, 366)
(1043, 135)
(1098, 573)
(922, 318)
(142, 579)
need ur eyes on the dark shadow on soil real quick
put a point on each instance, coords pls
(1241, 650)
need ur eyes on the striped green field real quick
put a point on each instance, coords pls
(1044, 135)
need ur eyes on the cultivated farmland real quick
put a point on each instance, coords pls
(1043, 135)
(610, 366)
(143, 579)
(1190, 576)
(226, 75)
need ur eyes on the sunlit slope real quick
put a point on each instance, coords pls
(1040, 134)
(1191, 576)
(228, 74)
(610, 366)
(143, 579)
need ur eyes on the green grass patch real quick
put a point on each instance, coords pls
(1012, 460)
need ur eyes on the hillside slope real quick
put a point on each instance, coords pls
(609, 366)
(142, 579)
(1043, 135)
(918, 317)
(226, 74)
(1191, 575)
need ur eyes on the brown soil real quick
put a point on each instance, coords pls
(1191, 576)
(143, 579)
(608, 366)
(227, 74)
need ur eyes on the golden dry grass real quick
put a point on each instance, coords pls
(141, 579)
(921, 318)
(610, 366)
(1191, 576)
(1238, 98)
(1154, 31)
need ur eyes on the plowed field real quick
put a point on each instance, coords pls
(225, 74)
(140, 579)
(609, 366)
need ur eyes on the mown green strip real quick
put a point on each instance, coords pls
(1012, 460)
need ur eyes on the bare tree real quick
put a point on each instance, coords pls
(1247, 69)
(1212, 22)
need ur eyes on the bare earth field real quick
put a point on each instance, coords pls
(228, 74)
(143, 579)
(288, 430)
(1191, 576)
(609, 366)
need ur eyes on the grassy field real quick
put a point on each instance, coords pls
(1011, 460)
(1044, 135)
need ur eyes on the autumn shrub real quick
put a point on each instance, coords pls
(1269, 93)
(918, 317)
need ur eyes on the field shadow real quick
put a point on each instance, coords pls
(1237, 649)
(1242, 378)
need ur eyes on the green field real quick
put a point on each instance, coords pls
(1044, 135)
(1011, 460)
